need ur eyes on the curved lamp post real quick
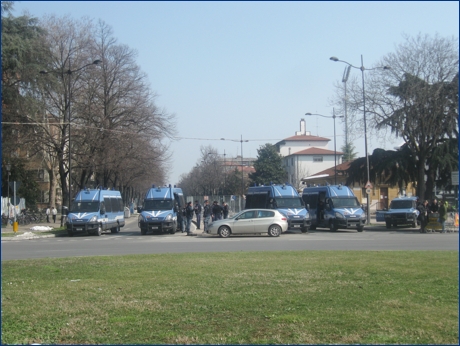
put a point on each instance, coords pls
(69, 72)
(335, 147)
(362, 68)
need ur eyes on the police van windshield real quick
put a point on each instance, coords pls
(84, 206)
(345, 202)
(294, 202)
(401, 204)
(158, 204)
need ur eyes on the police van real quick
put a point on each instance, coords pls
(284, 198)
(96, 211)
(161, 211)
(334, 207)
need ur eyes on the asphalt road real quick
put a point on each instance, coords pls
(130, 241)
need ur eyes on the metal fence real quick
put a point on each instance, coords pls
(235, 203)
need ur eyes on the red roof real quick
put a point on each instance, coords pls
(316, 151)
(303, 138)
(306, 138)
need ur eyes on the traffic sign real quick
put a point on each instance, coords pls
(368, 185)
(368, 191)
(15, 202)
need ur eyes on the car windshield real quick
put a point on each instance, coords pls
(84, 207)
(158, 204)
(345, 202)
(294, 202)
(401, 204)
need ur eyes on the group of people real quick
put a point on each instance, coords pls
(425, 209)
(51, 211)
(210, 213)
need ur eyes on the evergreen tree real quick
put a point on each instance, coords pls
(349, 153)
(268, 166)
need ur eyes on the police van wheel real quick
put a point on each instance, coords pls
(70, 233)
(414, 225)
(304, 229)
(143, 231)
(224, 231)
(98, 232)
(312, 228)
(388, 225)
(332, 227)
(172, 230)
(360, 229)
(115, 229)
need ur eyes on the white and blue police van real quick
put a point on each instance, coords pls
(161, 211)
(96, 211)
(285, 199)
(334, 207)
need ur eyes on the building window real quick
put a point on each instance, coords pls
(317, 159)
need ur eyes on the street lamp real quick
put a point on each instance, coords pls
(362, 68)
(69, 72)
(335, 147)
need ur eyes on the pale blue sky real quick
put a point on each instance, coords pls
(253, 69)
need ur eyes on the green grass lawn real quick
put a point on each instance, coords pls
(295, 297)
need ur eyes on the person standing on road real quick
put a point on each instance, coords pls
(197, 209)
(443, 215)
(206, 215)
(422, 217)
(189, 216)
(216, 211)
(225, 210)
(54, 213)
(48, 214)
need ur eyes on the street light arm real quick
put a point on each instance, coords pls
(333, 58)
(95, 62)
(362, 68)
(326, 116)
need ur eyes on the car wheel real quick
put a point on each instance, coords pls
(332, 227)
(274, 231)
(143, 231)
(70, 233)
(304, 229)
(224, 231)
(172, 230)
(388, 225)
(98, 231)
(360, 229)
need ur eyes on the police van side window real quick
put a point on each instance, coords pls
(108, 204)
(311, 200)
(120, 204)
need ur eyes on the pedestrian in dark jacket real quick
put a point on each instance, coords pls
(197, 210)
(189, 216)
(216, 211)
(225, 210)
(434, 207)
(422, 217)
(207, 212)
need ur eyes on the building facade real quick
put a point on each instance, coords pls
(305, 155)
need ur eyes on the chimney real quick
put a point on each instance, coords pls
(302, 131)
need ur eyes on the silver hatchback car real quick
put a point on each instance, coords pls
(251, 221)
